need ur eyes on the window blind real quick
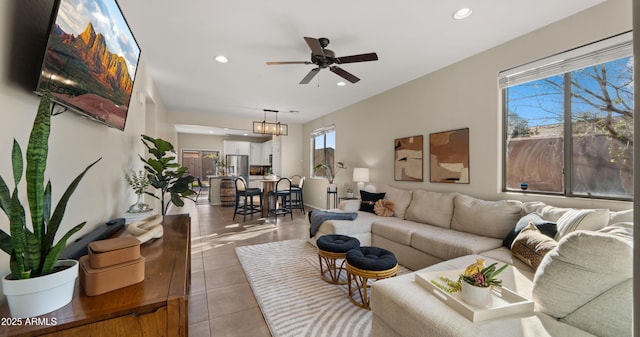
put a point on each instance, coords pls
(322, 130)
(602, 51)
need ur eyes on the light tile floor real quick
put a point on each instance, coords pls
(221, 302)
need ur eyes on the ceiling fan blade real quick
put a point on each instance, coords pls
(344, 74)
(314, 44)
(357, 58)
(288, 62)
(310, 76)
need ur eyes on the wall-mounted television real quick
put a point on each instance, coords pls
(91, 60)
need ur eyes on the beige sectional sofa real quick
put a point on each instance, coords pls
(581, 288)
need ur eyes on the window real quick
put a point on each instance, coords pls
(586, 93)
(323, 145)
(201, 163)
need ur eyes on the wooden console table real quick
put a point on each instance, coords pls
(155, 307)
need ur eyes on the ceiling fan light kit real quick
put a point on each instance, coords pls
(326, 58)
(268, 128)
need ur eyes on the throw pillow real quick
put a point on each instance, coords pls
(369, 200)
(487, 218)
(401, 198)
(384, 207)
(531, 245)
(546, 227)
(584, 219)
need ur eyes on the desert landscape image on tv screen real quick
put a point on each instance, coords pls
(91, 60)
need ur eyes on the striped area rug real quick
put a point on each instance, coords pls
(295, 301)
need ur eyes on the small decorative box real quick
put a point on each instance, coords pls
(109, 252)
(96, 281)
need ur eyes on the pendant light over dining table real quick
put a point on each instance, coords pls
(268, 128)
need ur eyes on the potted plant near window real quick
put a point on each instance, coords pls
(38, 283)
(330, 173)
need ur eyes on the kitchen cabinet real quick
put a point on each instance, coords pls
(255, 157)
(267, 150)
(237, 147)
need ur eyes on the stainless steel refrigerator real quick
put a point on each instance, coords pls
(238, 165)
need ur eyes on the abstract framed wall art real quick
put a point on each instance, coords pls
(408, 159)
(449, 156)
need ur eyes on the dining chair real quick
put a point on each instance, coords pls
(244, 203)
(282, 196)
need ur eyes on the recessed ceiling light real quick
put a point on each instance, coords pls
(222, 59)
(341, 84)
(245, 134)
(211, 131)
(462, 13)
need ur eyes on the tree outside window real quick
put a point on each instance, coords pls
(595, 106)
(324, 145)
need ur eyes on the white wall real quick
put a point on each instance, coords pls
(462, 95)
(75, 141)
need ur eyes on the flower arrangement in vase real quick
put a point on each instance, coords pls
(475, 283)
(139, 182)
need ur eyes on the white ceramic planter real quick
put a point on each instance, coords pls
(332, 187)
(476, 296)
(41, 295)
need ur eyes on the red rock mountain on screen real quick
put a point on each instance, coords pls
(110, 69)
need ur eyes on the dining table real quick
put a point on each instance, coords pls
(268, 185)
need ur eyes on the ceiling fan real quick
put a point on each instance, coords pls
(326, 58)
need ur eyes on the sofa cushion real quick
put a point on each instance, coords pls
(548, 228)
(584, 219)
(487, 218)
(548, 212)
(621, 216)
(587, 272)
(402, 199)
(447, 244)
(531, 245)
(395, 229)
(368, 200)
(433, 208)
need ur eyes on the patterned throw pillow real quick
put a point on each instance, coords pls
(369, 200)
(384, 207)
(548, 228)
(530, 246)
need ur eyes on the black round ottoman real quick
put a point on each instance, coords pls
(332, 249)
(367, 263)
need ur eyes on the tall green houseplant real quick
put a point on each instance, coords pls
(165, 174)
(32, 248)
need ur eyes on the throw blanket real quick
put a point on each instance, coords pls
(316, 218)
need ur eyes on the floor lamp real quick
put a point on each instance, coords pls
(360, 176)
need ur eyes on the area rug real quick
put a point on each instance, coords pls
(295, 301)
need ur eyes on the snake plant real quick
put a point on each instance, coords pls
(32, 248)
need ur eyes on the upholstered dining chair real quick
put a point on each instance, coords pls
(282, 196)
(245, 199)
(297, 201)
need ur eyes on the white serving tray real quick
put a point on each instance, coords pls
(504, 301)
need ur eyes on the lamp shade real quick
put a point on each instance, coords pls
(361, 174)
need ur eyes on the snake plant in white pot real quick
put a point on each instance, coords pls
(33, 251)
